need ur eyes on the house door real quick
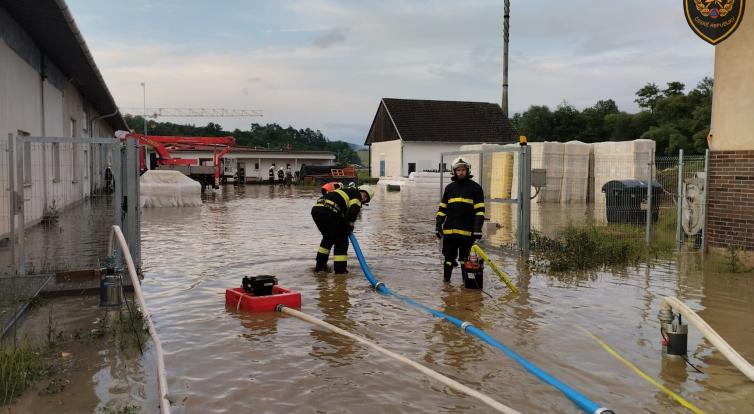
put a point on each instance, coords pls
(382, 168)
(411, 167)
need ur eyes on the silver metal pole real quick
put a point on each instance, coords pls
(650, 179)
(12, 220)
(132, 202)
(117, 160)
(706, 200)
(506, 38)
(526, 202)
(679, 201)
(144, 94)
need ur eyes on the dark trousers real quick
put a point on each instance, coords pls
(455, 246)
(334, 229)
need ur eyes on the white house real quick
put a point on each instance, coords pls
(50, 87)
(409, 135)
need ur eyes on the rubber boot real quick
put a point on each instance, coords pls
(447, 271)
(340, 268)
(321, 263)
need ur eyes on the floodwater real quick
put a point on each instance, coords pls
(222, 361)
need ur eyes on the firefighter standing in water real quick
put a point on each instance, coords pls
(335, 213)
(460, 216)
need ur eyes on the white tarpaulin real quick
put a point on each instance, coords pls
(165, 188)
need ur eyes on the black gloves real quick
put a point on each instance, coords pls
(438, 230)
(350, 228)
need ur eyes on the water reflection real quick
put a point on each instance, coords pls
(334, 303)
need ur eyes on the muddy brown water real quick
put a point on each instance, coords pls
(222, 361)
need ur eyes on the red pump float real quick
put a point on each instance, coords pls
(261, 294)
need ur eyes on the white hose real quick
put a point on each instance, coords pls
(734, 357)
(426, 371)
(161, 381)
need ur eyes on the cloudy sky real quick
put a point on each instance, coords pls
(325, 64)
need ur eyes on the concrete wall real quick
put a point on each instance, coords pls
(426, 155)
(730, 215)
(22, 111)
(391, 153)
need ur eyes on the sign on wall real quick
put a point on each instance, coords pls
(714, 20)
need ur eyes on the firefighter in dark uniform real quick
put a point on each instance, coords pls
(335, 214)
(460, 216)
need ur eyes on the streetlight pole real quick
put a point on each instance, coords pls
(144, 93)
(506, 18)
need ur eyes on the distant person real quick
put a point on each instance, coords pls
(288, 176)
(281, 176)
(334, 214)
(271, 174)
(109, 181)
(460, 216)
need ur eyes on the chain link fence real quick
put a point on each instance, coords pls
(60, 198)
(581, 186)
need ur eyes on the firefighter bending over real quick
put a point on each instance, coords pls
(335, 214)
(460, 216)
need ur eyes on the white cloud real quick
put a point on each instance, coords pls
(330, 72)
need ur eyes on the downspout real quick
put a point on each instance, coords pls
(42, 78)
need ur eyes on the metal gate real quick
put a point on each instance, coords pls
(61, 196)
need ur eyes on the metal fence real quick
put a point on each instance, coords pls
(577, 188)
(60, 198)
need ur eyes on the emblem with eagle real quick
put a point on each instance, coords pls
(714, 8)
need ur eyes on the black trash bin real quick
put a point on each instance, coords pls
(626, 201)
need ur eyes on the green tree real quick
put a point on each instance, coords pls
(536, 123)
(648, 96)
(674, 89)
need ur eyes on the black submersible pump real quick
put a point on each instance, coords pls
(674, 333)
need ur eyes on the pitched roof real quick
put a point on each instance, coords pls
(445, 121)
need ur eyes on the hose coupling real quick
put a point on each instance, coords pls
(665, 315)
(279, 308)
(377, 286)
(466, 325)
(604, 411)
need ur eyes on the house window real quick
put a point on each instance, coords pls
(256, 165)
(411, 167)
(56, 162)
(85, 119)
(75, 162)
(86, 163)
(27, 158)
(72, 132)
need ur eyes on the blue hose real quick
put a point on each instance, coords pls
(579, 399)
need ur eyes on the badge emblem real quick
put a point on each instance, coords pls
(714, 20)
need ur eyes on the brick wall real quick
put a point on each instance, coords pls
(730, 217)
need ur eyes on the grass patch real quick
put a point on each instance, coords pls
(595, 247)
(20, 364)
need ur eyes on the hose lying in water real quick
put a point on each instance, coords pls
(451, 383)
(579, 399)
(734, 357)
(494, 267)
(643, 375)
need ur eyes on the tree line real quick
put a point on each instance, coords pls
(671, 117)
(268, 136)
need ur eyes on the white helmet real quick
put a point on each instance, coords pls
(460, 162)
(369, 190)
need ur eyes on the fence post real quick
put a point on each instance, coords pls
(679, 201)
(650, 179)
(19, 202)
(524, 201)
(131, 176)
(706, 198)
(117, 167)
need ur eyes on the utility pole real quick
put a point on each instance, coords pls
(506, 18)
(144, 113)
